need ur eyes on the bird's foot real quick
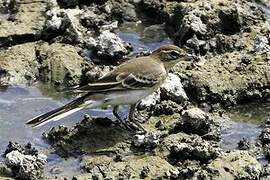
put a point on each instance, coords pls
(131, 127)
(137, 127)
(124, 126)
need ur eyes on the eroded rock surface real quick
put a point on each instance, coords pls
(24, 161)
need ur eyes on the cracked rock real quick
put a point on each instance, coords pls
(181, 147)
(196, 121)
(25, 162)
(191, 24)
(108, 45)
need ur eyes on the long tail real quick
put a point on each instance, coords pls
(58, 113)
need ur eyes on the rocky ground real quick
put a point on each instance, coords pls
(69, 42)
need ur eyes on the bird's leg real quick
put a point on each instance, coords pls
(131, 118)
(115, 113)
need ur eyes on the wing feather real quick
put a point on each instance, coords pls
(138, 82)
(134, 74)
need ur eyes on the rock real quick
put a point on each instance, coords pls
(189, 170)
(108, 45)
(172, 89)
(235, 165)
(25, 162)
(27, 149)
(26, 166)
(266, 151)
(150, 140)
(18, 64)
(66, 23)
(27, 63)
(155, 10)
(99, 18)
(191, 24)
(218, 81)
(91, 136)
(57, 133)
(265, 140)
(154, 33)
(60, 64)
(76, 26)
(70, 3)
(24, 24)
(265, 136)
(137, 167)
(244, 144)
(195, 121)
(197, 45)
(91, 73)
(265, 172)
(167, 107)
(5, 172)
(123, 11)
(261, 43)
(231, 21)
(181, 147)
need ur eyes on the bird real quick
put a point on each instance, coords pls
(127, 84)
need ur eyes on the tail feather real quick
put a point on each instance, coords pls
(58, 113)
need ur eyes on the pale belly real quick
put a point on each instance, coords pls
(116, 98)
(125, 98)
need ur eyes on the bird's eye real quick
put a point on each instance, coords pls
(174, 53)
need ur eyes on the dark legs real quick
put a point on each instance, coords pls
(115, 113)
(130, 119)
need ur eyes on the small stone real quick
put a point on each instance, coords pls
(265, 136)
(24, 165)
(172, 89)
(56, 170)
(243, 144)
(148, 141)
(261, 43)
(108, 45)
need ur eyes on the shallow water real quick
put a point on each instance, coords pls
(132, 33)
(248, 120)
(19, 104)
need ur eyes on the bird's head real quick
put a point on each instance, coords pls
(169, 55)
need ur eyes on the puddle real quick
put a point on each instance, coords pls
(132, 33)
(19, 104)
(247, 121)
